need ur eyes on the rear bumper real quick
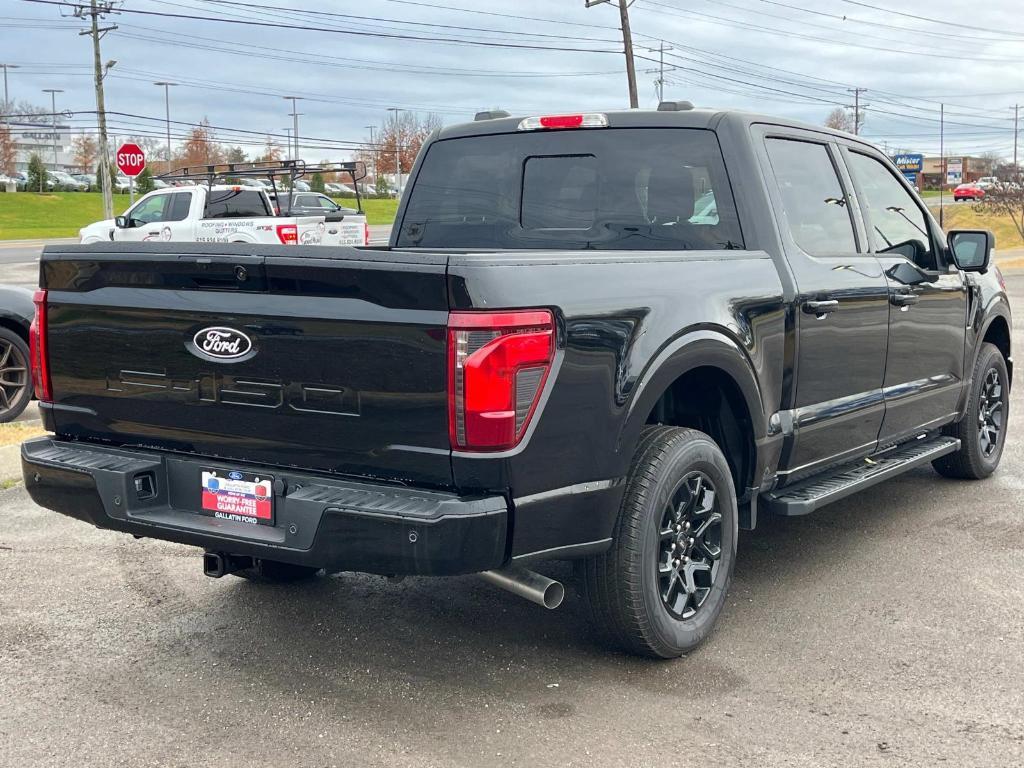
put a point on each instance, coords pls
(319, 522)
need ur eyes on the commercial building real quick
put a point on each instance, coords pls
(39, 138)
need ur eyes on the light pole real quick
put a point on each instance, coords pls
(7, 98)
(53, 109)
(167, 108)
(398, 152)
(295, 120)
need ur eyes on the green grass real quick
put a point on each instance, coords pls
(962, 216)
(378, 211)
(30, 216)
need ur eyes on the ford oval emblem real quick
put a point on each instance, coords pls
(222, 343)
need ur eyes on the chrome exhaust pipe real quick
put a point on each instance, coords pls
(529, 584)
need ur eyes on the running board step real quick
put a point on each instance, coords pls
(808, 495)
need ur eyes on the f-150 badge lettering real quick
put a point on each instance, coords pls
(222, 343)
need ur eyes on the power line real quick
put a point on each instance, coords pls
(355, 33)
(956, 24)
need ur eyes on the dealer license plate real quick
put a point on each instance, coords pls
(244, 497)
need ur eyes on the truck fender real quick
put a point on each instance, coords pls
(709, 348)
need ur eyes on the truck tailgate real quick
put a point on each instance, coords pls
(328, 359)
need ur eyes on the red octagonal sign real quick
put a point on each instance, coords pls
(131, 159)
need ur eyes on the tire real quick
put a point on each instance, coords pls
(672, 471)
(982, 430)
(15, 375)
(273, 572)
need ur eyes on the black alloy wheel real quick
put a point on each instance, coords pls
(690, 546)
(15, 379)
(990, 413)
(982, 430)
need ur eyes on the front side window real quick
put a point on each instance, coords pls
(812, 197)
(896, 225)
(622, 188)
(150, 210)
(327, 204)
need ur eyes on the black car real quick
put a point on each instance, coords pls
(310, 204)
(16, 311)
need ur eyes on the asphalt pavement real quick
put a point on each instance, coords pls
(886, 629)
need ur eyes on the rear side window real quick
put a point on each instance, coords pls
(235, 204)
(642, 189)
(816, 207)
(180, 204)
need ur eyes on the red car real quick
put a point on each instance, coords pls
(968, 191)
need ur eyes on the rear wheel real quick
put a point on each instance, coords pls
(273, 572)
(15, 380)
(982, 430)
(660, 588)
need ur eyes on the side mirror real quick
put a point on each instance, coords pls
(971, 248)
(121, 222)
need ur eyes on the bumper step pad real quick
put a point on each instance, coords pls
(808, 495)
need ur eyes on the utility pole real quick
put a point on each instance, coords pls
(167, 109)
(942, 159)
(53, 114)
(288, 133)
(373, 151)
(856, 106)
(661, 70)
(1016, 113)
(398, 152)
(7, 98)
(96, 10)
(295, 121)
(627, 43)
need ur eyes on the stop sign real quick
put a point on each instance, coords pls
(130, 159)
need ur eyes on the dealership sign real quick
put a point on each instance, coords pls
(954, 171)
(909, 163)
(130, 159)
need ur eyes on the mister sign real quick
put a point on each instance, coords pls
(130, 159)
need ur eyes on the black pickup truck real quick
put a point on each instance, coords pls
(614, 338)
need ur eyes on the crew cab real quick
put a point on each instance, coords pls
(224, 214)
(614, 338)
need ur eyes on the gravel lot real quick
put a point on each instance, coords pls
(886, 630)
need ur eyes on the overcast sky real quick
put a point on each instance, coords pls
(787, 57)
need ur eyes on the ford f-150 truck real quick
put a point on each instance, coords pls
(614, 338)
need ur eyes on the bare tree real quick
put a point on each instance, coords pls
(839, 120)
(403, 135)
(8, 151)
(85, 151)
(1006, 199)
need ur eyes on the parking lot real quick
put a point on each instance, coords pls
(886, 630)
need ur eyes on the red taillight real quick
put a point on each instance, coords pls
(497, 365)
(37, 350)
(561, 121)
(366, 233)
(288, 234)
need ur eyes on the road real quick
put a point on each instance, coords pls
(884, 630)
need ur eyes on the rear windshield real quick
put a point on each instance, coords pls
(235, 204)
(635, 188)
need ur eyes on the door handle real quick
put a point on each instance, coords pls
(820, 308)
(904, 300)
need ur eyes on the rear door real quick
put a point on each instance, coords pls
(842, 305)
(928, 301)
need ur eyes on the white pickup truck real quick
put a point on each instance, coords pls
(223, 214)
